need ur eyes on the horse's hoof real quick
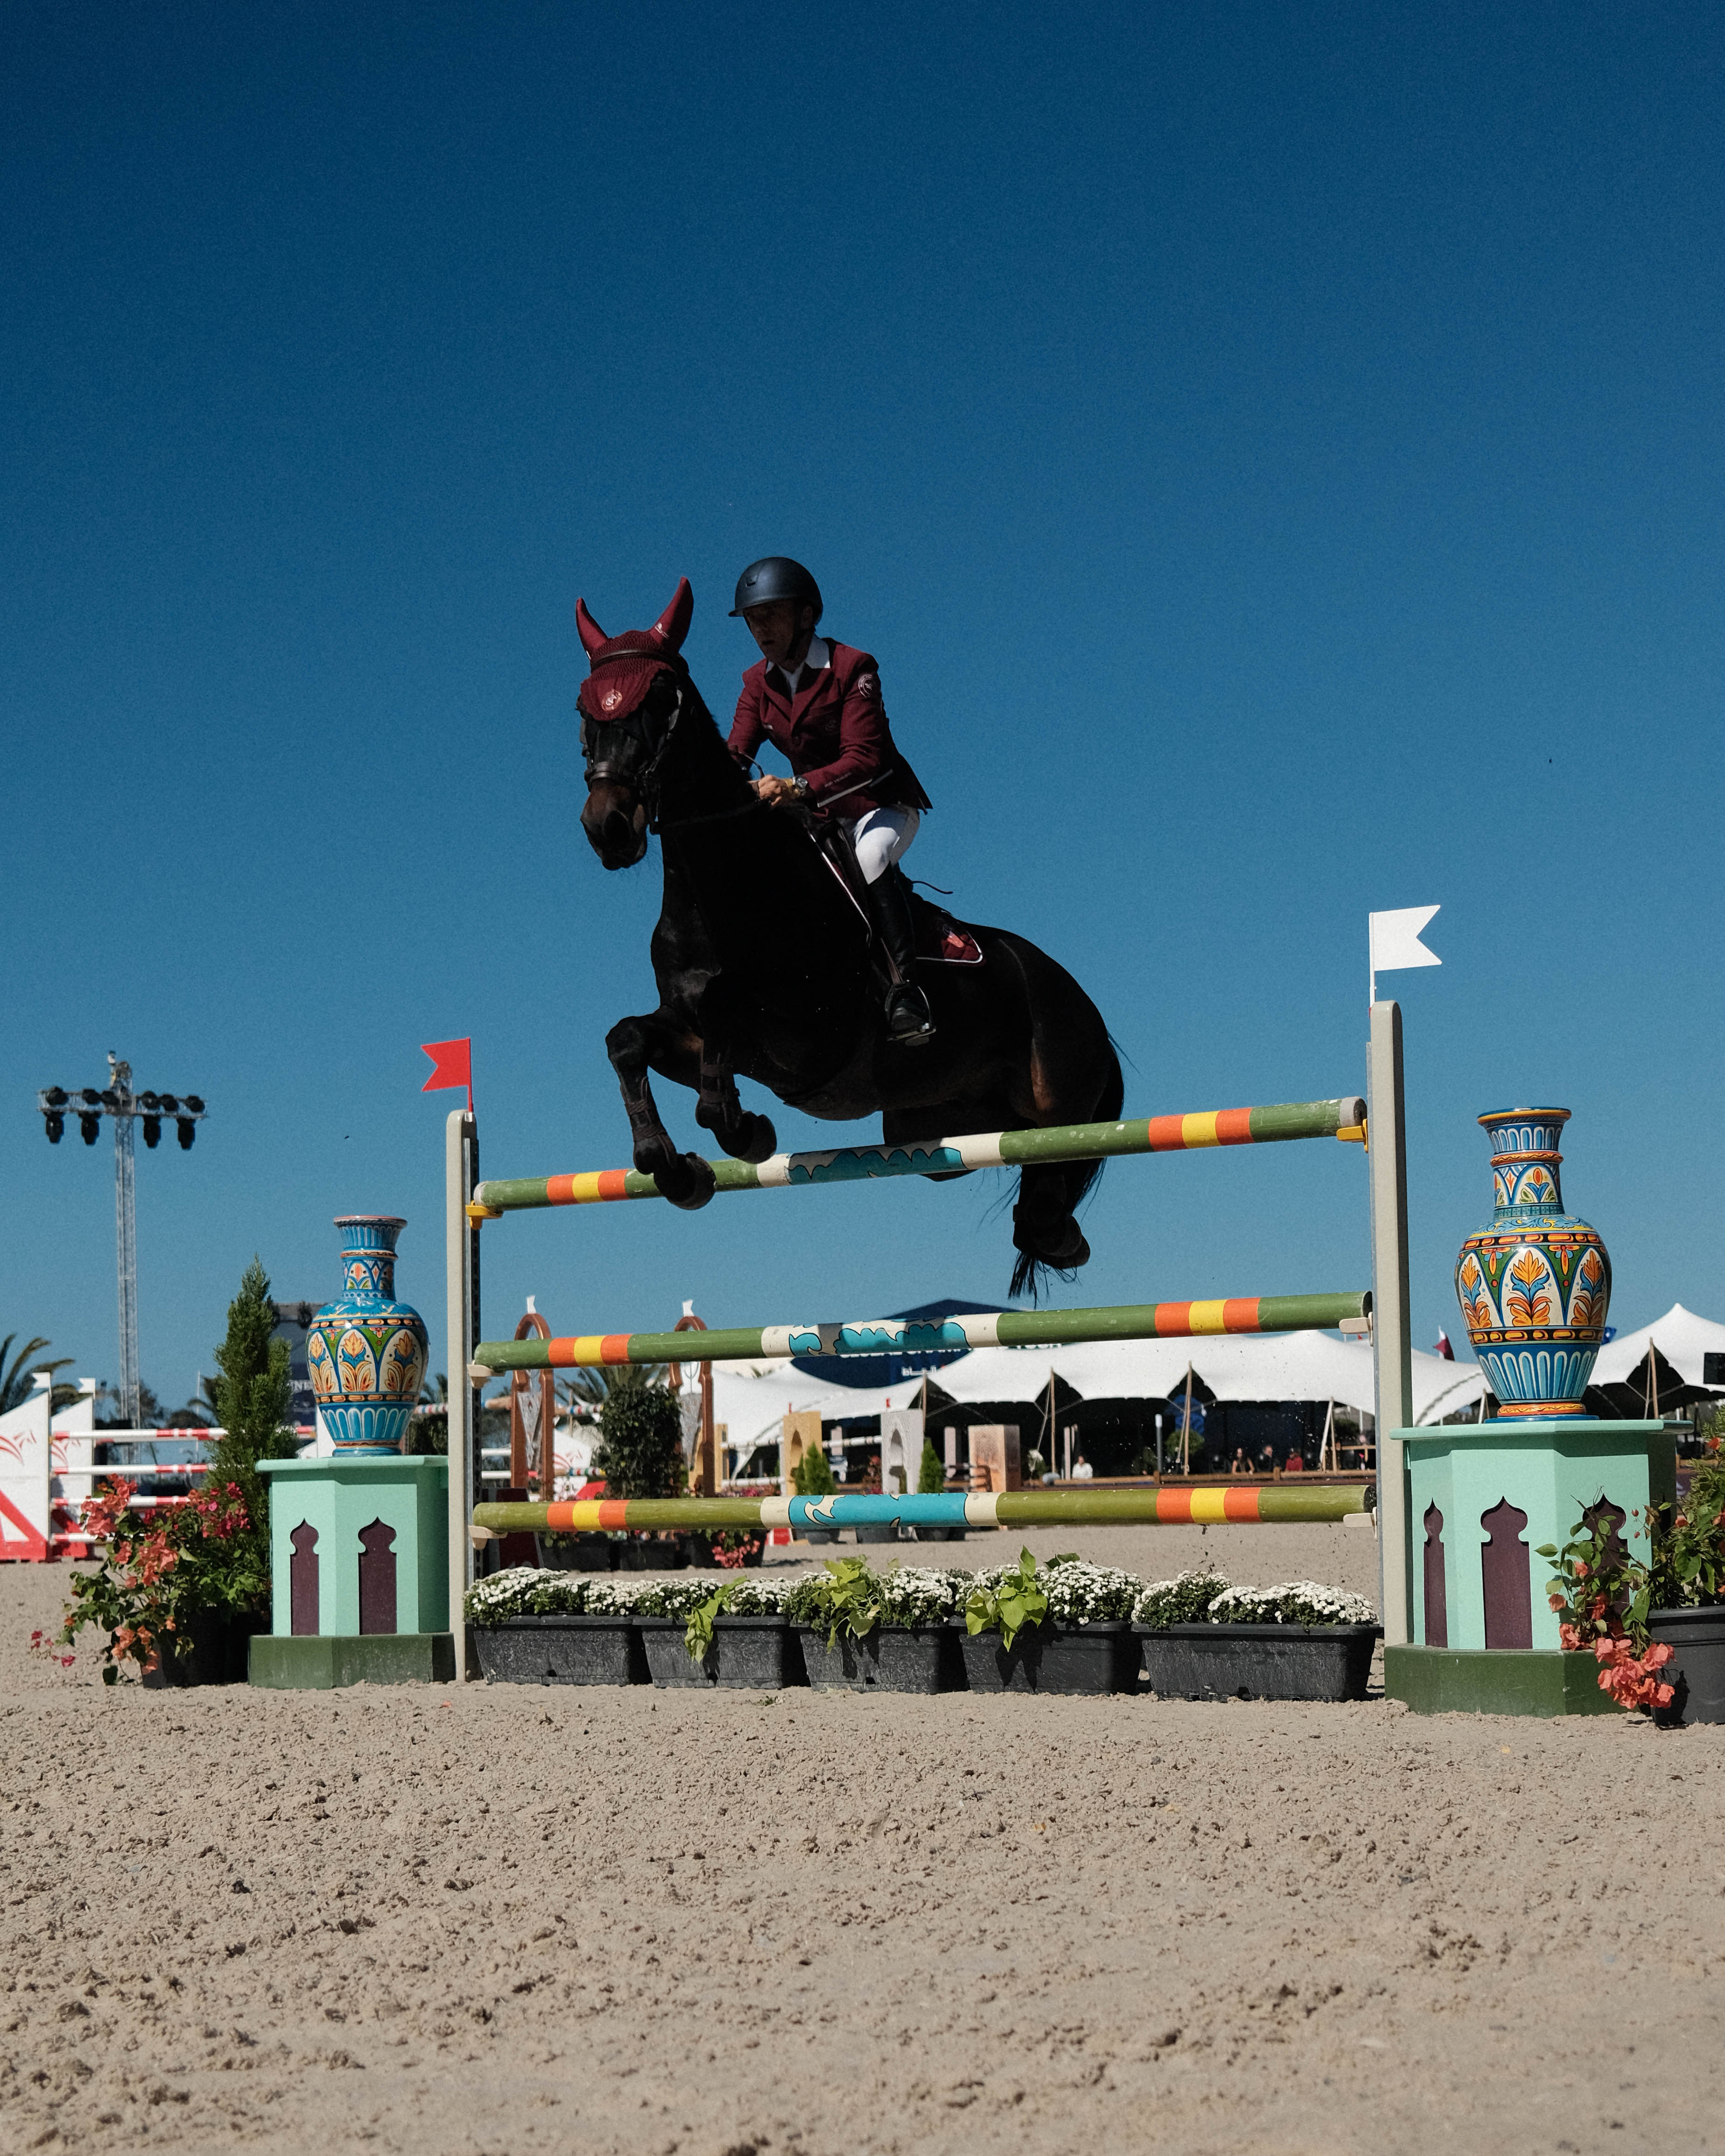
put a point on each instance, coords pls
(688, 1183)
(1063, 1247)
(759, 1141)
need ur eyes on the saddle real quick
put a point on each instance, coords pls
(941, 941)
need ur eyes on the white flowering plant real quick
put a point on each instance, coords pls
(1184, 1599)
(675, 1597)
(616, 1594)
(845, 1596)
(1080, 1593)
(745, 1594)
(1295, 1602)
(526, 1591)
(1066, 1590)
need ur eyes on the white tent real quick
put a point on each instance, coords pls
(750, 1399)
(1681, 1337)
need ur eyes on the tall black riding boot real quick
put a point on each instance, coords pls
(909, 1020)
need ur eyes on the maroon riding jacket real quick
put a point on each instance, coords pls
(835, 734)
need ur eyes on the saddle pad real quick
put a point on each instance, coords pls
(942, 942)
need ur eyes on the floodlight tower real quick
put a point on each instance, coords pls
(126, 1107)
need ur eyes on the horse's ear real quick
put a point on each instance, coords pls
(672, 626)
(593, 637)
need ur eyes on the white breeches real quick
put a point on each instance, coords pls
(881, 838)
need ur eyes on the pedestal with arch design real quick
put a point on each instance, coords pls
(1480, 1498)
(359, 1569)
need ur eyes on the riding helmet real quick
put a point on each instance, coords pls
(776, 576)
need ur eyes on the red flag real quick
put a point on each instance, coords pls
(454, 1066)
(1443, 1348)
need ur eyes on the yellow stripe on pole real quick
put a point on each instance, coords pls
(589, 1351)
(1200, 1130)
(1209, 1504)
(1209, 1318)
(583, 1512)
(584, 1189)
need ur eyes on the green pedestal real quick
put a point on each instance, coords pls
(1552, 1472)
(314, 1664)
(359, 1563)
(1467, 1680)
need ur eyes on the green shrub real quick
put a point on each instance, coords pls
(813, 1476)
(930, 1475)
(639, 1453)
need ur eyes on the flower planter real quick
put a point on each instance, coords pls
(698, 1551)
(748, 1654)
(215, 1650)
(1057, 1658)
(1696, 1671)
(576, 1552)
(1258, 1661)
(926, 1532)
(919, 1658)
(880, 1531)
(820, 1534)
(561, 1650)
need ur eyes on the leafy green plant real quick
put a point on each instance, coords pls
(1602, 1595)
(931, 1474)
(1689, 1542)
(1005, 1601)
(156, 1576)
(812, 1474)
(18, 1377)
(843, 1597)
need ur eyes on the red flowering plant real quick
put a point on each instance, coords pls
(1602, 1594)
(161, 1574)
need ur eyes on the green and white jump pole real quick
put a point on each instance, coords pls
(1383, 1310)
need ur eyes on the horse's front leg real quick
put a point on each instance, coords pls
(658, 1042)
(741, 1133)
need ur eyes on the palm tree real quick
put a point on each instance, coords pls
(16, 1383)
(584, 1392)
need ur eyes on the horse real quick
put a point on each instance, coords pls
(764, 962)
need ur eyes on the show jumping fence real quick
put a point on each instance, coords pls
(1382, 1312)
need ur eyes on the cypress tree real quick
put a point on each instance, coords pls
(252, 1395)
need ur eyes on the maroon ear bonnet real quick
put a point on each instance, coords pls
(624, 668)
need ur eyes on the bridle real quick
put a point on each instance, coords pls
(643, 777)
(632, 730)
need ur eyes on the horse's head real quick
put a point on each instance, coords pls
(629, 706)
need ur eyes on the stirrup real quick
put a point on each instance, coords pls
(909, 1020)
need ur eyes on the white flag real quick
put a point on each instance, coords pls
(1395, 942)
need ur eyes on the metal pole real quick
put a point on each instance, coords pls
(125, 1236)
(1392, 1347)
(457, 1187)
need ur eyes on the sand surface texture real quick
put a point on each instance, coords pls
(503, 1918)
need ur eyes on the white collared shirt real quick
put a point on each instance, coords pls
(818, 657)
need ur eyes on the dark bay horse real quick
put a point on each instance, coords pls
(764, 967)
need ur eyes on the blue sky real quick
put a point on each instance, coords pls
(1274, 452)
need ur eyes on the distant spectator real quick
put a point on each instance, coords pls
(1240, 1464)
(1082, 1471)
(1294, 1463)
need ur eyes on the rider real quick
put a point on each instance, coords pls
(819, 701)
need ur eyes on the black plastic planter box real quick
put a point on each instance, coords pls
(878, 1531)
(561, 1650)
(748, 1654)
(892, 1658)
(1696, 1671)
(1258, 1661)
(1060, 1658)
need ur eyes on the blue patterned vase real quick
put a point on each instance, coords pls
(366, 1351)
(1535, 1286)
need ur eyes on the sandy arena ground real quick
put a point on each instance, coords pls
(631, 1920)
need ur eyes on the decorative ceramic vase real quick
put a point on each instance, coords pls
(367, 1351)
(1535, 1286)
